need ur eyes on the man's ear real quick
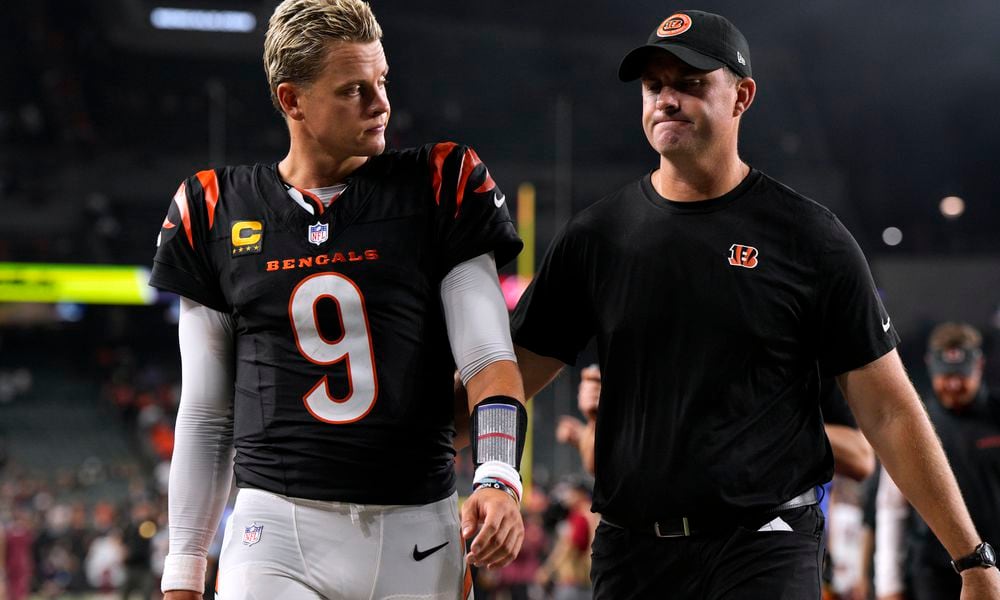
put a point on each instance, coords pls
(746, 89)
(290, 99)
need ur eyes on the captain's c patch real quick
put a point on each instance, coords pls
(247, 237)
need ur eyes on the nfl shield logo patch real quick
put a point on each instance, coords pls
(251, 535)
(319, 233)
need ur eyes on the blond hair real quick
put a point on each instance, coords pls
(954, 335)
(298, 34)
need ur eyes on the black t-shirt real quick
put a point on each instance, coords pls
(833, 404)
(343, 368)
(971, 441)
(710, 318)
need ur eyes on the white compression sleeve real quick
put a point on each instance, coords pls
(201, 468)
(476, 316)
(891, 510)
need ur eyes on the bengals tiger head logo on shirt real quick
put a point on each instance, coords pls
(741, 255)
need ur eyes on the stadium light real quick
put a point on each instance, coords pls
(228, 21)
(952, 207)
(892, 236)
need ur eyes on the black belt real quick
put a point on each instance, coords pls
(682, 526)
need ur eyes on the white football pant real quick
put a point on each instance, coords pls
(281, 548)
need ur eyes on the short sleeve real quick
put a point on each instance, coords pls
(554, 316)
(472, 215)
(182, 263)
(854, 326)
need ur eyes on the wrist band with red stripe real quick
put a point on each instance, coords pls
(499, 425)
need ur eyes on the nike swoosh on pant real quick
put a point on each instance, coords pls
(422, 554)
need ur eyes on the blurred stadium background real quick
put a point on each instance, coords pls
(884, 113)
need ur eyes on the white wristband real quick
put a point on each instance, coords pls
(495, 469)
(184, 572)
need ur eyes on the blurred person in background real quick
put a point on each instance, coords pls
(326, 301)
(138, 549)
(864, 587)
(966, 415)
(567, 568)
(517, 580)
(718, 298)
(3, 560)
(104, 564)
(580, 434)
(19, 562)
(160, 546)
(841, 502)
(63, 542)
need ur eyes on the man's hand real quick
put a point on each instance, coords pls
(980, 584)
(588, 395)
(569, 429)
(497, 518)
(182, 595)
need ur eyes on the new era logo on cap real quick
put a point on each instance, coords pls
(703, 40)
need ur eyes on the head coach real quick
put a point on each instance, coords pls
(718, 298)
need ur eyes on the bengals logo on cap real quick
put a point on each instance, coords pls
(675, 24)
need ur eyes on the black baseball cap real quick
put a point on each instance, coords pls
(705, 41)
(954, 361)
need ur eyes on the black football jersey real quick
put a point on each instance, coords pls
(343, 367)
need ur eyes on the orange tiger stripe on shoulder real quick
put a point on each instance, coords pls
(210, 183)
(438, 153)
(470, 161)
(487, 185)
(181, 200)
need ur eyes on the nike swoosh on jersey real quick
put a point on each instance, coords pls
(422, 554)
(498, 200)
(885, 326)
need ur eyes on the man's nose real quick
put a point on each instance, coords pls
(667, 100)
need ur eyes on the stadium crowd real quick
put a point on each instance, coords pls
(100, 530)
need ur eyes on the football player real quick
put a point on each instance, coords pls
(326, 301)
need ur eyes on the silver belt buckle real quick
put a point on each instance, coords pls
(684, 522)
